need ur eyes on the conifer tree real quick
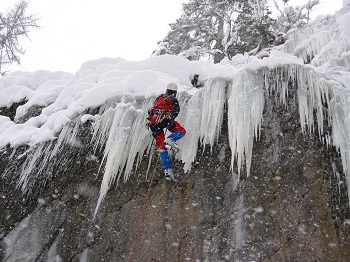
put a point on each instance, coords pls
(214, 29)
(201, 31)
(254, 27)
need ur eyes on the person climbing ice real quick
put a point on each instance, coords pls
(195, 81)
(160, 116)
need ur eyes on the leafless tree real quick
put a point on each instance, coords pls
(14, 25)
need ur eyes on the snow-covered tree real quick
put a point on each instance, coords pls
(13, 25)
(254, 27)
(292, 17)
(204, 30)
(214, 29)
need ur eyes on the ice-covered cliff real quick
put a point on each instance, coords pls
(51, 122)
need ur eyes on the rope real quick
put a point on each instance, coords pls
(142, 214)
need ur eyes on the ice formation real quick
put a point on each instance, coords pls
(123, 91)
(245, 108)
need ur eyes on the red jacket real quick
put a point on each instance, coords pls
(165, 107)
(168, 103)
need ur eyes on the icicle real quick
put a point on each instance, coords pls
(138, 141)
(64, 136)
(151, 155)
(317, 91)
(339, 108)
(30, 164)
(214, 100)
(101, 128)
(304, 103)
(190, 116)
(40, 157)
(245, 109)
(127, 138)
(202, 117)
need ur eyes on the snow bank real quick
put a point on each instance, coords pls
(64, 95)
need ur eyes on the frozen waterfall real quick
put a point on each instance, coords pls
(314, 62)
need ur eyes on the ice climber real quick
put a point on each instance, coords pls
(160, 116)
(195, 81)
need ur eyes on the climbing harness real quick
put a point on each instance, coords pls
(158, 115)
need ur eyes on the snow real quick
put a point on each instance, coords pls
(124, 90)
(343, 22)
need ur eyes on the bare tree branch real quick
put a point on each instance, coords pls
(14, 25)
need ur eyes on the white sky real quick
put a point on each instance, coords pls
(75, 31)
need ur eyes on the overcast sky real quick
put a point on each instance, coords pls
(75, 31)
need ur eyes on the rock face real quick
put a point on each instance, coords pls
(292, 207)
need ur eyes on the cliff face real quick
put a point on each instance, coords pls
(292, 207)
(263, 169)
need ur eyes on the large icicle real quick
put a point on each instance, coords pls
(214, 100)
(326, 95)
(190, 118)
(41, 156)
(245, 110)
(339, 109)
(313, 94)
(127, 137)
(202, 117)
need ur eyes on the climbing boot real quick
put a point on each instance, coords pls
(169, 174)
(171, 144)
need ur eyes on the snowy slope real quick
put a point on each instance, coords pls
(124, 90)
